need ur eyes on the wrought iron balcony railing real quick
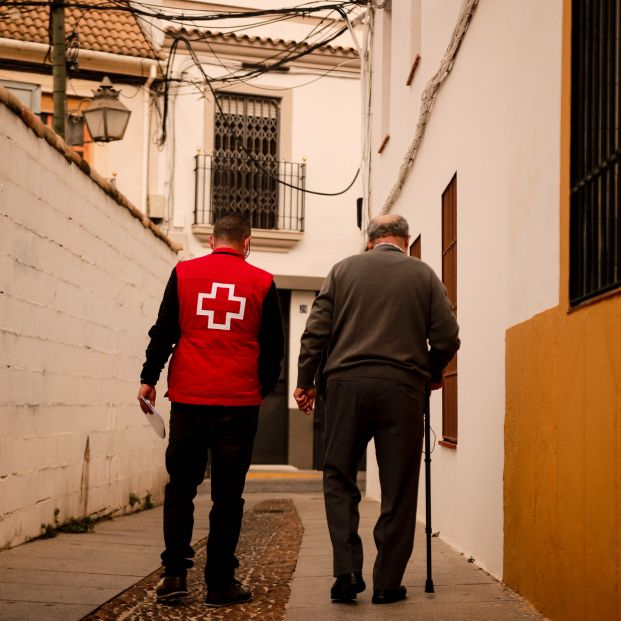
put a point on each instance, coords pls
(254, 189)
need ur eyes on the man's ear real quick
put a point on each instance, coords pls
(370, 245)
(212, 241)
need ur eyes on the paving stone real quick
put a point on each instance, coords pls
(37, 578)
(267, 551)
(90, 567)
(38, 611)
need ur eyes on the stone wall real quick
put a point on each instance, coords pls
(81, 276)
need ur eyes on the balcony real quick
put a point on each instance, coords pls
(270, 193)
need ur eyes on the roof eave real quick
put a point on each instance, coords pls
(37, 53)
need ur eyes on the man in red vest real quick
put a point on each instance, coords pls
(221, 319)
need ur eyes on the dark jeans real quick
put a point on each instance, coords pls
(391, 413)
(228, 433)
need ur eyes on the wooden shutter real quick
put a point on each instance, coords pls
(415, 248)
(449, 278)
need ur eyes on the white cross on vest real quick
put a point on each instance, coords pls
(221, 306)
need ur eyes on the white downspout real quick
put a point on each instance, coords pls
(147, 138)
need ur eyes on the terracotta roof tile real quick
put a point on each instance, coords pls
(256, 40)
(112, 31)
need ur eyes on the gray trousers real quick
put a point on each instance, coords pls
(391, 413)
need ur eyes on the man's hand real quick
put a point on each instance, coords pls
(148, 392)
(435, 385)
(305, 398)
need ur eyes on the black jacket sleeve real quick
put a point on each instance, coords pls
(164, 334)
(271, 342)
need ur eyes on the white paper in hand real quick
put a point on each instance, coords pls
(155, 418)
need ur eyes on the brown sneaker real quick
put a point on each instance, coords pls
(233, 594)
(171, 587)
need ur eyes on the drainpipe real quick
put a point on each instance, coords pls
(147, 138)
(59, 70)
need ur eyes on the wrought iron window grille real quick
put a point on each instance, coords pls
(595, 199)
(244, 173)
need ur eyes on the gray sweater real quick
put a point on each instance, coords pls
(380, 314)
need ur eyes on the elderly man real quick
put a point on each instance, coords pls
(222, 315)
(386, 324)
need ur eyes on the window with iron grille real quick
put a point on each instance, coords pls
(245, 158)
(595, 203)
(449, 278)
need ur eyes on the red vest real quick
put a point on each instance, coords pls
(216, 359)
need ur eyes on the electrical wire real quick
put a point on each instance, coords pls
(281, 60)
(249, 154)
(278, 57)
(303, 9)
(159, 14)
(428, 99)
(293, 52)
(198, 84)
(290, 88)
(281, 57)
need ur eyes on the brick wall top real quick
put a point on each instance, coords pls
(54, 140)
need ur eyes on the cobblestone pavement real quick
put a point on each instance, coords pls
(267, 550)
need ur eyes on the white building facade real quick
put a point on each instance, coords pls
(465, 123)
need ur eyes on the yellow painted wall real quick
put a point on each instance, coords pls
(563, 465)
(562, 496)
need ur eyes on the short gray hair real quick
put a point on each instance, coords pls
(388, 226)
(232, 227)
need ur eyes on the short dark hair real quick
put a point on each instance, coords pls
(388, 226)
(232, 227)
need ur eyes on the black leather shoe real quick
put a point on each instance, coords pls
(347, 586)
(233, 594)
(388, 596)
(171, 587)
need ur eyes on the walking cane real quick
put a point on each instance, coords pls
(426, 414)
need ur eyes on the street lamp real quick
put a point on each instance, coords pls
(106, 117)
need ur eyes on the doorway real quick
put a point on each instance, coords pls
(271, 442)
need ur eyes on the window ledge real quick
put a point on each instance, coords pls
(447, 444)
(596, 298)
(265, 240)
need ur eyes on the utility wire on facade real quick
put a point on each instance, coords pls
(428, 99)
(296, 49)
(240, 142)
(144, 10)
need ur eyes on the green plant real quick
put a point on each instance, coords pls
(148, 501)
(133, 500)
(48, 531)
(72, 525)
(78, 525)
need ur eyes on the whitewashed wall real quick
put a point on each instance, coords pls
(80, 283)
(496, 124)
